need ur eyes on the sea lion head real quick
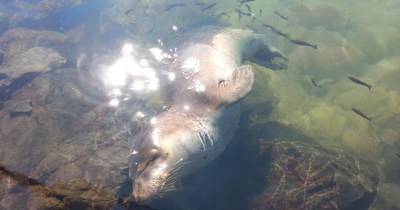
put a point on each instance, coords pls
(157, 162)
(148, 184)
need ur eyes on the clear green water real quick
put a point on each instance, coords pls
(73, 121)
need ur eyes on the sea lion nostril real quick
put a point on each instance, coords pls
(141, 193)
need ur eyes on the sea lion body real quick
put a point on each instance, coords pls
(203, 118)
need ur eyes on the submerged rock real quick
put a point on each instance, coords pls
(20, 108)
(18, 40)
(303, 176)
(34, 60)
(67, 136)
(18, 191)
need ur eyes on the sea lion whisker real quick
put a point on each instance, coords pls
(170, 180)
(171, 176)
(178, 166)
(168, 187)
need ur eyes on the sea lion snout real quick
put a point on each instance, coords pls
(142, 194)
(148, 177)
(147, 186)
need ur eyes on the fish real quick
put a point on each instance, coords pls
(260, 12)
(276, 31)
(398, 155)
(357, 81)
(315, 83)
(281, 16)
(248, 8)
(251, 28)
(172, 6)
(223, 14)
(128, 11)
(245, 1)
(243, 13)
(201, 4)
(303, 43)
(322, 82)
(209, 7)
(361, 114)
(239, 16)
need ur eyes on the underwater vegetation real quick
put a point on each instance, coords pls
(322, 134)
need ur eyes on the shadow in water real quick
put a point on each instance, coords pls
(6, 91)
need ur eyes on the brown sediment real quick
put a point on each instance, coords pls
(61, 195)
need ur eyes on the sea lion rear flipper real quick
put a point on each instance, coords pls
(238, 85)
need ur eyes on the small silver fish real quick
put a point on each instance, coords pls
(209, 7)
(245, 1)
(276, 31)
(248, 8)
(281, 16)
(315, 83)
(303, 43)
(361, 114)
(172, 6)
(357, 81)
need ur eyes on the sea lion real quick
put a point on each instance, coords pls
(210, 80)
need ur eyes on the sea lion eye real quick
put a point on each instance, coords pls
(147, 159)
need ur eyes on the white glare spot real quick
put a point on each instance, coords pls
(153, 85)
(171, 76)
(166, 55)
(138, 72)
(116, 92)
(157, 53)
(199, 87)
(127, 49)
(186, 107)
(114, 102)
(190, 66)
(156, 137)
(174, 27)
(115, 76)
(137, 85)
(160, 42)
(153, 120)
(160, 169)
(144, 63)
(140, 114)
(134, 152)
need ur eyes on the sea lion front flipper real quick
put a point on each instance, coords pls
(237, 86)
